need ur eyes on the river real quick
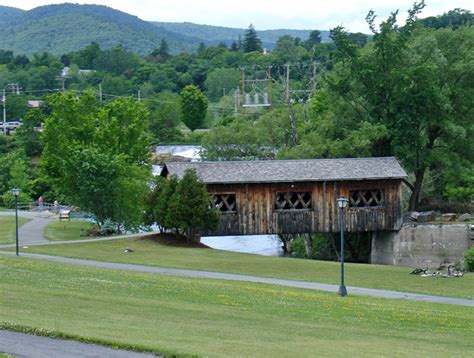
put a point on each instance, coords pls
(267, 245)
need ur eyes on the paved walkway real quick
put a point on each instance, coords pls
(27, 345)
(32, 232)
(247, 278)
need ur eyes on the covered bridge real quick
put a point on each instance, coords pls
(299, 196)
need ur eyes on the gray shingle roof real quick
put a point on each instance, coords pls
(272, 171)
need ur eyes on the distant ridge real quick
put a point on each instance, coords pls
(69, 27)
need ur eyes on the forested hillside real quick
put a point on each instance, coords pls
(63, 28)
(213, 35)
(67, 27)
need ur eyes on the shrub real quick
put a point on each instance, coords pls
(469, 259)
(8, 199)
(108, 228)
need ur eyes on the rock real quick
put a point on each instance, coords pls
(465, 217)
(448, 217)
(411, 216)
(426, 216)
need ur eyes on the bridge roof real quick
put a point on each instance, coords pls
(274, 171)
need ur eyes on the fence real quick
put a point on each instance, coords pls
(33, 206)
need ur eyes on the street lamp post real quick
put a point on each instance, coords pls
(16, 192)
(342, 204)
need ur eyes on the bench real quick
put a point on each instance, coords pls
(64, 214)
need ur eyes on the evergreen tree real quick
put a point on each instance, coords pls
(163, 52)
(190, 207)
(251, 40)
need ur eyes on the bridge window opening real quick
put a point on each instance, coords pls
(224, 202)
(293, 200)
(366, 198)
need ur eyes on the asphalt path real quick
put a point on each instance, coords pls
(28, 345)
(247, 278)
(32, 232)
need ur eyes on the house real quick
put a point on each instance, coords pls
(299, 196)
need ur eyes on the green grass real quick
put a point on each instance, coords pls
(67, 230)
(7, 228)
(219, 318)
(374, 276)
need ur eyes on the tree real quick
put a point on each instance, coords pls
(165, 117)
(6, 56)
(313, 39)
(221, 79)
(161, 210)
(15, 173)
(181, 205)
(27, 136)
(190, 207)
(193, 106)
(97, 157)
(411, 82)
(251, 40)
(163, 52)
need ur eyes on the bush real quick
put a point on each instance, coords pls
(108, 228)
(469, 262)
(8, 199)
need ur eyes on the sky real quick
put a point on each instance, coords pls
(264, 14)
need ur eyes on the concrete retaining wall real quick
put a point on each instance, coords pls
(421, 245)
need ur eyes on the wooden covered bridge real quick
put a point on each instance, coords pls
(299, 196)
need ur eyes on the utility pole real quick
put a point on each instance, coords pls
(100, 92)
(288, 83)
(139, 97)
(243, 88)
(314, 78)
(236, 99)
(15, 89)
(270, 85)
(4, 101)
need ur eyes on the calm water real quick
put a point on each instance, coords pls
(267, 245)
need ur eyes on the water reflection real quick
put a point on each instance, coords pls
(266, 245)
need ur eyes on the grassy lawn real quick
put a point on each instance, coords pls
(7, 228)
(374, 276)
(219, 318)
(67, 230)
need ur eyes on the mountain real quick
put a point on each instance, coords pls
(68, 27)
(64, 28)
(213, 35)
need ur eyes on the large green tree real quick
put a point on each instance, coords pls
(190, 207)
(251, 41)
(97, 157)
(193, 106)
(414, 83)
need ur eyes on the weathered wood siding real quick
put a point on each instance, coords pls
(255, 213)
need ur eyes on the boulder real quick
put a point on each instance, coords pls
(426, 216)
(448, 217)
(411, 216)
(465, 217)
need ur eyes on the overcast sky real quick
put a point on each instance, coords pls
(264, 14)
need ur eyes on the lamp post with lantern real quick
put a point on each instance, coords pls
(342, 204)
(16, 192)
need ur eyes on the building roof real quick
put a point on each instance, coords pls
(273, 171)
